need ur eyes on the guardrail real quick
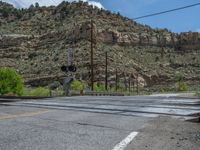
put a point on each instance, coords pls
(97, 94)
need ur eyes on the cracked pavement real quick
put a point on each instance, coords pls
(80, 123)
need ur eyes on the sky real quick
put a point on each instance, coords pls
(179, 21)
(27, 3)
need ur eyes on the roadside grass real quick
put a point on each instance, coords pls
(77, 85)
(181, 87)
(40, 91)
(78, 88)
(197, 93)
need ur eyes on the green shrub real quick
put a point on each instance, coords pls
(197, 92)
(178, 77)
(10, 82)
(181, 87)
(55, 85)
(40, 91)
(77, 85)
(99, 87)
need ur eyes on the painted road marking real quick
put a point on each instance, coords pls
(23, 115)
(122, 145)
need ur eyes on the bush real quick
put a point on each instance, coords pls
(40, 91)
(197, 93)
(10, 82)
(77, 85)
(99, 87)
(181, 87)
(55, 85)
(178, 77)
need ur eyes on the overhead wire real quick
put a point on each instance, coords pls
(54, 2)
(167, 11)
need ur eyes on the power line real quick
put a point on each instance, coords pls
(54, 2)
(167, 11)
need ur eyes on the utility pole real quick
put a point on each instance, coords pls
(92, 58)
(137, 83)
(137, 80)
(116, 80)
(106, 72)
(129, 83)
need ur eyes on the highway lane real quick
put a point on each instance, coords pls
(80, 123)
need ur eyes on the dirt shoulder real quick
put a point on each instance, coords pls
(188, 95)
(167, 134)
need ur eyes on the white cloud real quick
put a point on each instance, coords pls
(98, 4)
(27, 3)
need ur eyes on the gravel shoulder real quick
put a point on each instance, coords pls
(167, 134)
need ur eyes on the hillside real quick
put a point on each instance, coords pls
(35, 42)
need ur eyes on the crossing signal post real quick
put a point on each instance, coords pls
(69, 69)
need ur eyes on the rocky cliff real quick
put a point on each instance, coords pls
(35, 42)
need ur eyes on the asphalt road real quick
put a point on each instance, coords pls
(84, 123)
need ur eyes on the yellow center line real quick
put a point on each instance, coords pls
(29, 114)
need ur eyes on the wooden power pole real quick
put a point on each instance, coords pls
(106, 72)
(137, 83)
(92, 58)
(116, 80)
(129, 83)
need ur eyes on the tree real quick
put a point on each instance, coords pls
(118, 14)
(31, 7)
(37, 5)
(10, 82)
(5, 12)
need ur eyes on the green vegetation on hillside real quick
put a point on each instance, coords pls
(36, 45)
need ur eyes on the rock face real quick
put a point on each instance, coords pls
(188, 41)
(181, 42)
(35, 42)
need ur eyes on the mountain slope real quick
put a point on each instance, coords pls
(35, 42)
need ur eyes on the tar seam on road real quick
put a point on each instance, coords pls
(23, 115)
(122, 145)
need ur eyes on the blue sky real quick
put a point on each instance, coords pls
(179, 21)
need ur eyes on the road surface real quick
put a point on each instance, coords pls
(84, 123)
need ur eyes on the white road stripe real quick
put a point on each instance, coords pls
(122, 145)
